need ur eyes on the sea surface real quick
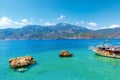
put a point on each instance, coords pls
(84, 65)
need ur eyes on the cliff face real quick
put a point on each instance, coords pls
(58, 31)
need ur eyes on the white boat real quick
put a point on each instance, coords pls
(107, 51)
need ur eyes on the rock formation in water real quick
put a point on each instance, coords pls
(21, 61)
(65, 53)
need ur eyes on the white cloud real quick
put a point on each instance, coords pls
(5, 21)
(49, 24)
(61, 17)
(16, 23)
(114, 26)
(103, 27)
(80, 23)
(24, 20)
(77, 23)
(92, 24)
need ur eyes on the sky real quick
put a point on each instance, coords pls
(92, 14)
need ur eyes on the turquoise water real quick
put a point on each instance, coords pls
(84, 65)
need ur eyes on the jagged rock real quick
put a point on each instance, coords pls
(21, 61)
(65, 53)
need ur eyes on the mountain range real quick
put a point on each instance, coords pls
(58, 31)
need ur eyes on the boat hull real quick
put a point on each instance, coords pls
(101, 54)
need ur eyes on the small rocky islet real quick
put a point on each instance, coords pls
(65, 53)
(21, 62)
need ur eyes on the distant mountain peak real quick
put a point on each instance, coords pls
(62, 24)
(59, 31)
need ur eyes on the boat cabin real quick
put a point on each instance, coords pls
(111, 50)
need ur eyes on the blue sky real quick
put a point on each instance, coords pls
(93, 14)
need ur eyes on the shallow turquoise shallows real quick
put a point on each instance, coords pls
(84, 65)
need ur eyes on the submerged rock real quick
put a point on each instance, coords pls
(22, 69)
(21, 61)
(65, 53)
